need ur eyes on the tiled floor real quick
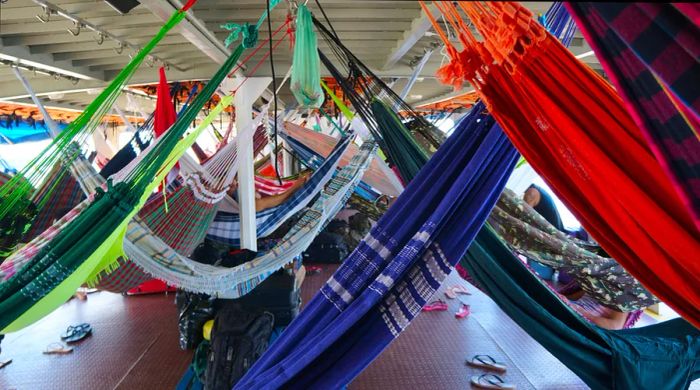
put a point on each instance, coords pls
(135, 346)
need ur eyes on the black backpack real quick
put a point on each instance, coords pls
(327, 248)
(239, 338)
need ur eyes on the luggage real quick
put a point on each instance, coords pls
(329, 248)
(278, 294)
(239, 338)
(195, 310)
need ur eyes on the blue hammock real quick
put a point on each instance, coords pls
(313, 160)
(395, 270)
(226, 227)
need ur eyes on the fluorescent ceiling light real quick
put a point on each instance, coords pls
(43, 67)
(584, 55)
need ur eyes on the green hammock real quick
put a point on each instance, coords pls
(14, 194)
(93, 241)
(402, 148)
(306, 66)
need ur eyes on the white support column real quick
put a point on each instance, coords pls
(50, 124)
(127, 124)
(287, 160)
(245, 96)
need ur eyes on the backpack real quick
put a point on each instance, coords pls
(239, 338)
(327, 248)
(278, 295)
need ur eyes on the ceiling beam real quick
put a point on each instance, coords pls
(419, 27)
(48, 62)
(195, 31)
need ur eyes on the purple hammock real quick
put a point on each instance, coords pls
(397, 268)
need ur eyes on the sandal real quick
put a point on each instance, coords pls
(438, 305)
(487, 362)
(57, 349)
(463, 312)
(76, 333)
(453, 291)
(491, 381)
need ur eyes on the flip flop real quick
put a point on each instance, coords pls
(77, 333)
(57, 349)
(487, 362)
(459, 289)
(438, 305)
(5, 362)
(72, 330)
(464, 311)
(491, 381)
(455, 290)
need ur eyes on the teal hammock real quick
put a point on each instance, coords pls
(661, 356)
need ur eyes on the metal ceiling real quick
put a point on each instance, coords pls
(387, 35)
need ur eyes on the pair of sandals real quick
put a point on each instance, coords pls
(73, 334)
(489, 381)
(441, 305)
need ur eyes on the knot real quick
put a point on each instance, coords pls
(247, 30)
(100, 192)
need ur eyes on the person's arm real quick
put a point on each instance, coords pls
(275, 200)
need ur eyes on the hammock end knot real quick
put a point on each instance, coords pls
(247, 30)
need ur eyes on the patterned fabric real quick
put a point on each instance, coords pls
(386, 280)
(123, 276)
(60, 193)
(267, 187)
(652, 54)
(25, 254)
(592, 306)
(311, 159)
(528, 233)
(379, 176)
(157, 258)
(226, 226)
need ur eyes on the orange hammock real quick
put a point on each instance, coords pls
(573, 128)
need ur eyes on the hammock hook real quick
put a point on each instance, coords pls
(120, 47)
(100, 39)
(76, 30)
(46, 16)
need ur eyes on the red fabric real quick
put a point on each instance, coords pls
(268, 170)
(188, 5)
(164, 117)
(574, 130)
(165, 111)
(152, 286)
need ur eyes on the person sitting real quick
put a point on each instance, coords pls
(543, 203)
(266, 202)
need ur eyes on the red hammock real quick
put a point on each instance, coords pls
(574, 130)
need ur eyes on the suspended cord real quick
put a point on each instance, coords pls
(326, 18)
(274, 89)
